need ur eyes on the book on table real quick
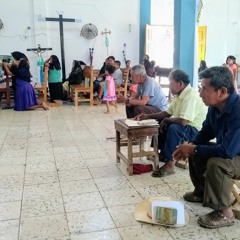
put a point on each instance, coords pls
(135, 123)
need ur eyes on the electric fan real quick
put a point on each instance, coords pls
(89, 31)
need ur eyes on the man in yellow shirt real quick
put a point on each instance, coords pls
(180, 122)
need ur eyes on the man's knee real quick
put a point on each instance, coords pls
(215, 162)
(174, 131)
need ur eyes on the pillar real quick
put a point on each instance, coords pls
(145, 18)
(184, 36)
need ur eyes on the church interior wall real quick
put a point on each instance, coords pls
(120, 17)
(22, 29)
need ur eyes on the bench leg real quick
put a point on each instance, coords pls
(76, 98)
(155, 147)
(130, 157)
(117, 146)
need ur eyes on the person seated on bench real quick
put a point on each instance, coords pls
(180, 122)
(75, 76)
(213, 166)
(149, 97)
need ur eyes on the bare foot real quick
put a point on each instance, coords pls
(45, 106)
(107, 112)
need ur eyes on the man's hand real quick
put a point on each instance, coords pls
(163, 125)
(184, 151)
(141, 116)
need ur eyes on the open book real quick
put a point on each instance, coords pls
(134, 123)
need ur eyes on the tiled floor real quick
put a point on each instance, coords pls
(59, 181)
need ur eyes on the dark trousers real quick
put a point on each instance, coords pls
(212, 179)
(173, 136)
(133, 111)
(56, 91)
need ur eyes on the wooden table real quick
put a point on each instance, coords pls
(133, 133)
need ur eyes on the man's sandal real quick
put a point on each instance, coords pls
(215, 219)
(190, 197)
(162, 172)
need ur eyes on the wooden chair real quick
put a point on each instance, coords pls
(236, 195)
(236, 191)
(123, 89)
(43, 87)
(78, 89)
(5, 89)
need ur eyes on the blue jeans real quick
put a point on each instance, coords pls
(173, 136)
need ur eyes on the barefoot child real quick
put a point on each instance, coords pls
(109, 88)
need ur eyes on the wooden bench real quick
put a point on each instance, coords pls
(77, 89)
(5, 90)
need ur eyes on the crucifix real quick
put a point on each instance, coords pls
(60, 19)
(40, 61)
(106, 32)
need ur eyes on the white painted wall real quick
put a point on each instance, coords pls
(111, 14)
(223, 30)
(221, 17)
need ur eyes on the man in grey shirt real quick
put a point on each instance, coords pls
(149, 97)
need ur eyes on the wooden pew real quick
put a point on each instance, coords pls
(5, 90)
(77, 89)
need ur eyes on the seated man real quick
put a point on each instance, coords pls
(212, 166)
(117, 75)
(149, 97)
(180, 122)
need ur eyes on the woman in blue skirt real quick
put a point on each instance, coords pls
(25, 97)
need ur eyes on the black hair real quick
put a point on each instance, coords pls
(111, 57)
(19, 55)
(202, 66)
(179, 76)
(110, 69)
(54, 63)
(231, 57)
(23, 70)
(219, 77)
(118, 62)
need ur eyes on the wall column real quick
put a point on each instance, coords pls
(145, 18)
(184, 36)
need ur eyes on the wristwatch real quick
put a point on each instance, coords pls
(195, 150)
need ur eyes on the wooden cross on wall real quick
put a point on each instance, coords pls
(60, 19)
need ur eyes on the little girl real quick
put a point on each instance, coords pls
(109, 88)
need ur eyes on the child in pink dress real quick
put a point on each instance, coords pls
(109, 88)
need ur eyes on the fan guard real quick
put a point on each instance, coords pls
(89, 31)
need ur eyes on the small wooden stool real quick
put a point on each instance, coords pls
(133, 133)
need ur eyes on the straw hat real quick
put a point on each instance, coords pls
(143, 211)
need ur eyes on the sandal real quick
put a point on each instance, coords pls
(162, 172)
(190, 197)
(215, 219)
